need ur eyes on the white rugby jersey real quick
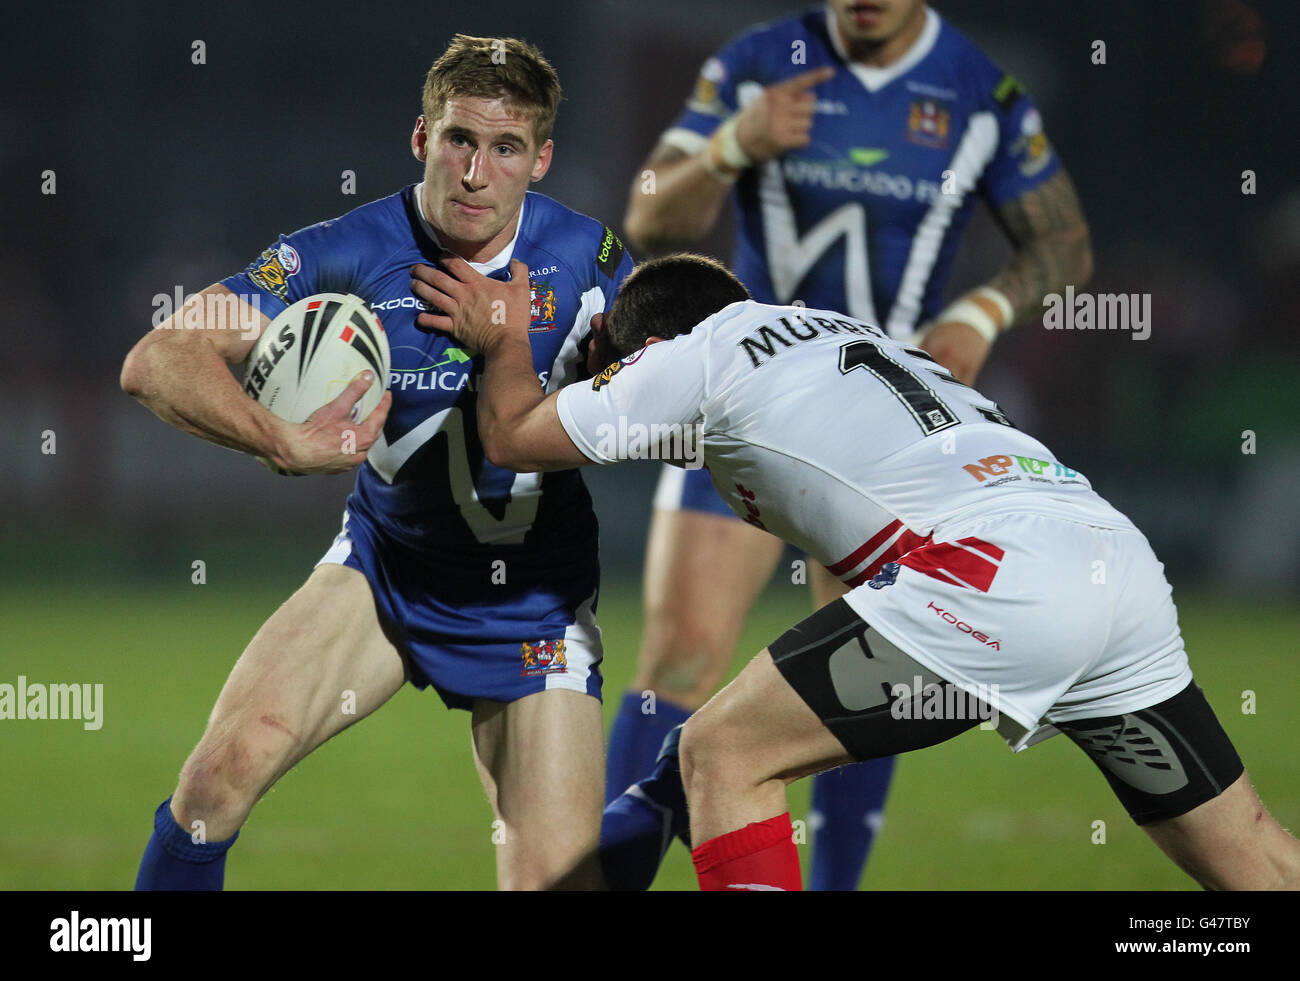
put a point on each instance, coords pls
(826, 432)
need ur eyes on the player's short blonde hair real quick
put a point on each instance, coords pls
(495, 68)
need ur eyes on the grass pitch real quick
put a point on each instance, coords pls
(394, 803)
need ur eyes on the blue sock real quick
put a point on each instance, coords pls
(173, 861)
(634, 741)
(848, 809)
(638, 826)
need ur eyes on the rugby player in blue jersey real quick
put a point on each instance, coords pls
(449, 571)
(853, 140)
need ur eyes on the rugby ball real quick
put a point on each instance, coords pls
(312, 350)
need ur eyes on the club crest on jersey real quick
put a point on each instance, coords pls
(705, 98)
(1031, 147)
(544, 657)
(272, 269)
(927, 123)
(543, 308)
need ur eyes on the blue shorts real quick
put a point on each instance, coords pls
(472, 636)
(689, 490)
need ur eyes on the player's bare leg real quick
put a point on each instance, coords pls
(542, 763)
(745, 745)
(702, 575)
(286, 696)
(1231, 842)
(825, 587)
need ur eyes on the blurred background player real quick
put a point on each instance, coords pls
(856, 138)
(449, 571)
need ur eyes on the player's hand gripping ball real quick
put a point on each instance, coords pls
(309, 353)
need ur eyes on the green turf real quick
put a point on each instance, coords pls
(394, 802)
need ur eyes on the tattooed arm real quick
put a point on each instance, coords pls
(1052, 249)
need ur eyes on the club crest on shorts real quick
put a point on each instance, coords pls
(887, 575)
(544, 657)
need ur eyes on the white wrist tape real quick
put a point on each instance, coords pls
(968, 312)
(716, 172)
(729, 145)
(1001, 302)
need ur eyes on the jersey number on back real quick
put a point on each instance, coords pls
(931, 413)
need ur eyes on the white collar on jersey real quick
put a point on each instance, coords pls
(874, 79)
(498, 261)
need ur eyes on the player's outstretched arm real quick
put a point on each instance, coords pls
(518, 423)
(1052, 250)
(180, 372)
(676, 198)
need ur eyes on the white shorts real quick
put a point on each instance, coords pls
(1057, 620)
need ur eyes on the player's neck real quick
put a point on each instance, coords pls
(882, 54)
(479, 252)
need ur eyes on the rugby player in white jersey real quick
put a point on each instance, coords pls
(853, 141)
(830, 434)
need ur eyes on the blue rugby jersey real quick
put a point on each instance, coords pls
(866, 219)
(426, 484)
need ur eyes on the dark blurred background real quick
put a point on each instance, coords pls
(170, 174)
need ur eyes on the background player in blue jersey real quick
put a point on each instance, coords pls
(449, 571)
(854, 140)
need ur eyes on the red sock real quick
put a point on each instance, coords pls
(758, 857)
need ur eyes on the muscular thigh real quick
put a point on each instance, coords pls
(321, 662)
(541, 760)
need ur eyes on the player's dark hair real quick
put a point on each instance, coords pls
(495, 68)
(668, 296)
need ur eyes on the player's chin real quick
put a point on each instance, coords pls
(472, 226)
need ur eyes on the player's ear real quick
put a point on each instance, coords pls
(543, 162)
(654, 339)
(599, 355)
(420, 140)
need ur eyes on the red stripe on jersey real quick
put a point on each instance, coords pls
(906, 543)
(947, 561)
(863, 550)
